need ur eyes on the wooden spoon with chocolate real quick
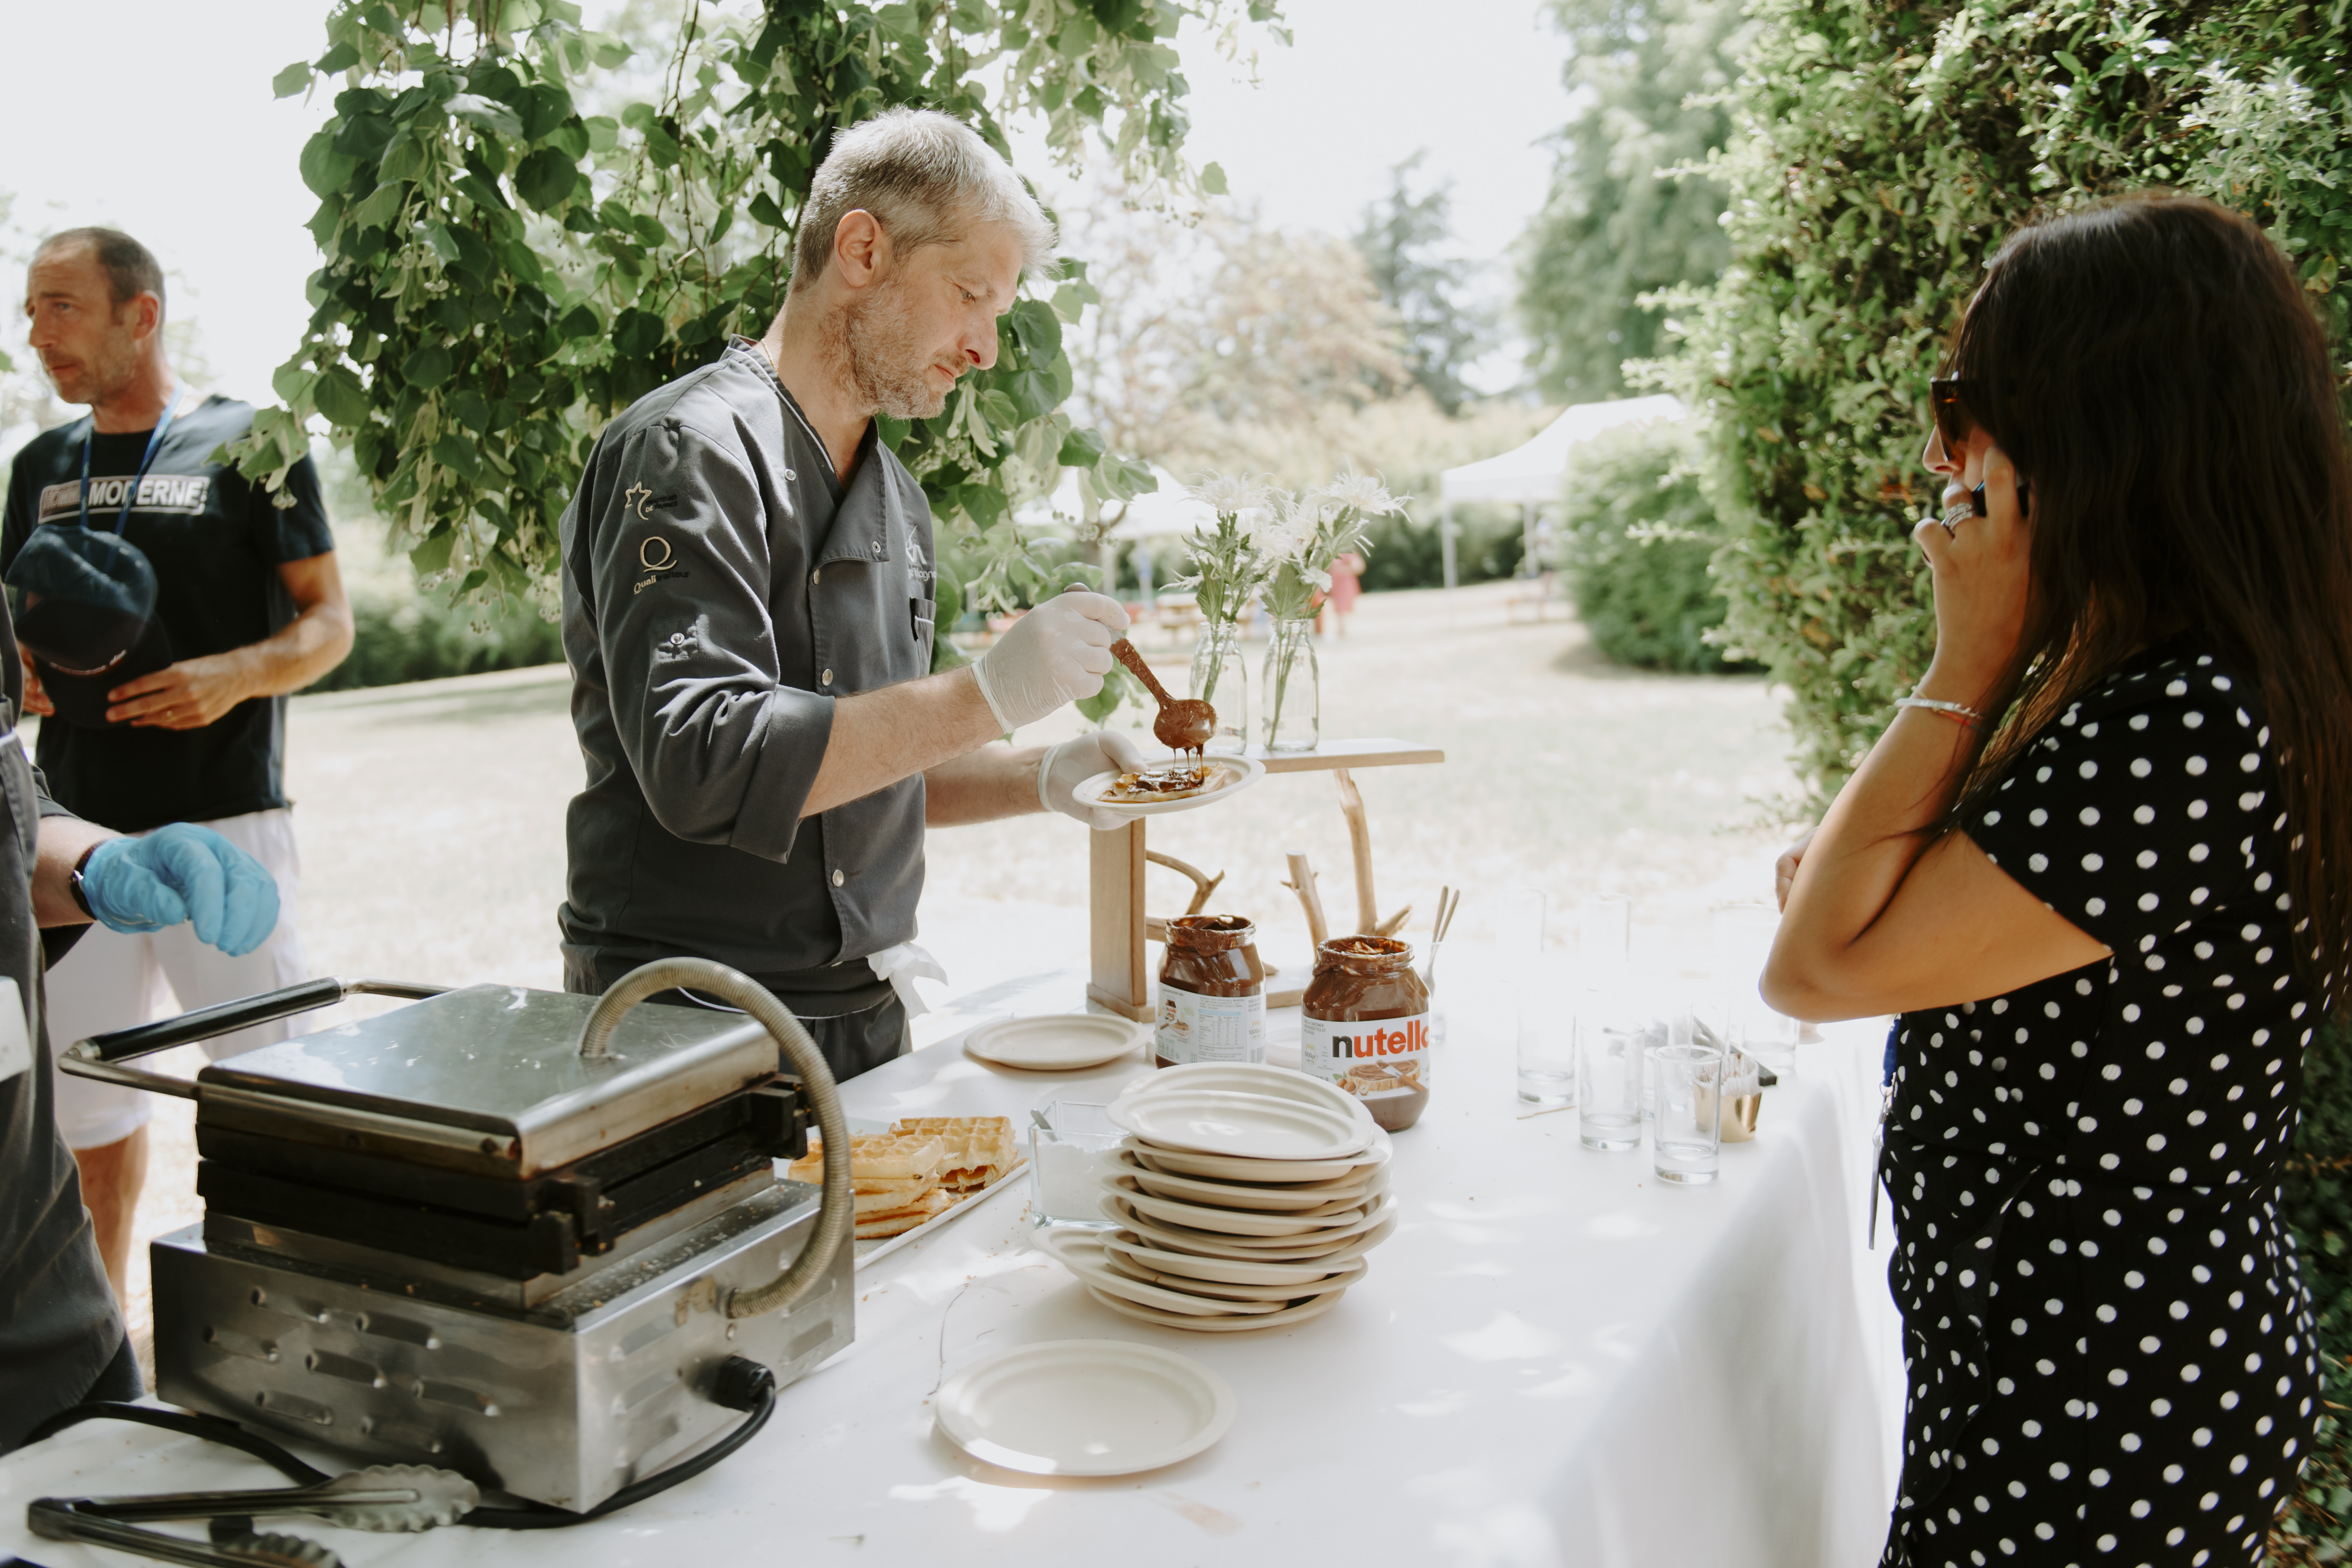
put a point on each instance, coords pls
(1184, 724)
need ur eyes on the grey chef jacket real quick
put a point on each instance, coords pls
(722, 588)
(58, 1325)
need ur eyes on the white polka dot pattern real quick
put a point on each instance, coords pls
(2109, 1345)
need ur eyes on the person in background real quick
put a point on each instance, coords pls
(189, 725)
(2097, 864)
(61, 1337)
(1346, 583)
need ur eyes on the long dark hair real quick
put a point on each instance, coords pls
(2152, 367)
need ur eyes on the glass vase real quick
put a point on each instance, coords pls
(1221, 679)
(1292, 720)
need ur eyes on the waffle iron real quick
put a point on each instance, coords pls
(512, 1233)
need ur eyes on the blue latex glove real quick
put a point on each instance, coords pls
(182, 873)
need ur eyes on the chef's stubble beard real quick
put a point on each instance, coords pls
(877, 349)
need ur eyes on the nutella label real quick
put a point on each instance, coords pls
(1195, 1028)
(1371, 1059)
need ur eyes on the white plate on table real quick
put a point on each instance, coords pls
(1189, 1163)
(1340, 1279)
(1249, 770)
(1084, 1407)
(1055, 1042)
(1254, 1078)
(1081, 1253)
(1236, 1196)
(1139, 1250)
(1242, 1126)
(1284, 1318)
(1272, 1249)
(1232, 1222)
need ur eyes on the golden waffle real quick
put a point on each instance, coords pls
(973, 1143)
(893, 1222)
(893, 1199)
(877, 1156)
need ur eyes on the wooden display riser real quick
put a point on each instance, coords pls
(1120, 973)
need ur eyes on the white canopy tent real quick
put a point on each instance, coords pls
(1156, 514)
(1530, 476)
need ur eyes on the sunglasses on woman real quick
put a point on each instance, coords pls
(1948, 403)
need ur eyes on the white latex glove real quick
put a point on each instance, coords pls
(1058, 652)
(1065, 767)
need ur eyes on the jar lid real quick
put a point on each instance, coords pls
(1211, 934)
(1367, 954)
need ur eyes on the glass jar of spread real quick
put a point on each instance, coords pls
(1212, 1001)
(1366, 1029)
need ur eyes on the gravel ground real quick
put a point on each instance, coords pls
(430, 817)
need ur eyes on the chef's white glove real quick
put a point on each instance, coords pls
(1058, 652)
(1065, 767)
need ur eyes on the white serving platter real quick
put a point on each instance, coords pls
(1240, 1126)
(1255, 1078)
(1055, 1042)
(1084, 1407)
(1248, 770)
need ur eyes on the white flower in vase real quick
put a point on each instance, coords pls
(1230, 495)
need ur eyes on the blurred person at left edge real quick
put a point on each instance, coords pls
(221, 597)
(61, 1337)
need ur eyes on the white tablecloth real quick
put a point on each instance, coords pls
(1557, 1360)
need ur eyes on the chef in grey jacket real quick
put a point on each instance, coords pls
(748, 614)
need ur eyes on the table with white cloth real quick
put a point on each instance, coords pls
(1557, 1359)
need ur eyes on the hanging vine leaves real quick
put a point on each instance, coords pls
(506, 268)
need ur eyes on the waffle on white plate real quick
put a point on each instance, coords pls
(918, 1171)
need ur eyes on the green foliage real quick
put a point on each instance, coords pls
(1882, 152)
(401, 637)
(1648, 79)
(1402, 239)
(2316, 1200)
(1637, 534)
(505, 267)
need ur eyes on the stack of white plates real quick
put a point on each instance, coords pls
(1248, 1196)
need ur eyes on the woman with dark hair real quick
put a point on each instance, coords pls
(2098, 865)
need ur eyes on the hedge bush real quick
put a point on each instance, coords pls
(399, 637)
(1636, 539)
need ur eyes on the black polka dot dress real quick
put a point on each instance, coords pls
(2109, 1347)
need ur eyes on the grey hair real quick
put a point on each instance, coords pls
(129, 267)
(927, 178)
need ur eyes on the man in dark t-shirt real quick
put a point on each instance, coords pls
(189, 726)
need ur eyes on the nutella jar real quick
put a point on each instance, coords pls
(1212, 993)
(1366, 1027)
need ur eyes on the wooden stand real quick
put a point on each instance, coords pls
(1120, 976)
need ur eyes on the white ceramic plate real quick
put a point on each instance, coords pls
(1234, 1195)
(1090, 792)
(1228, 1222)
(1084, 1407)
(1254, 1078)
(1057, 1042)
(1245, 1126)
(1338, 1279)
(1081, 1253)
(1186, 1163)
(1288, 1316)
(1139, 1250)
(1121, 1207)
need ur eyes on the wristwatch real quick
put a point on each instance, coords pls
(73, 881)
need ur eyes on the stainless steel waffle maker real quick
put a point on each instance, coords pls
(511, 1233)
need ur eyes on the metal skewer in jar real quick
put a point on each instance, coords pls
(1366, 1026)
(1212, 1001)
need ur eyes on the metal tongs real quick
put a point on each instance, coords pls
(401, 1498)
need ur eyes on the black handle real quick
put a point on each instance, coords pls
(227, 1017)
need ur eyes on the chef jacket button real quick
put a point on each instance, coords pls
(838, 878)
(825, 679)
(790, 476)
(814, 576)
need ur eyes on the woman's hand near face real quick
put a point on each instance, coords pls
(1982, 568)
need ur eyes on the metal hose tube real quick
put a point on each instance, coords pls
(837, 1216)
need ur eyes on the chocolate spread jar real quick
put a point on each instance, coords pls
(1366, 1029)
(1212, 993)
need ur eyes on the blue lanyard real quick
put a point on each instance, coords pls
(155, 443)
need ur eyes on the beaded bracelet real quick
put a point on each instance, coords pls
(1959, 713)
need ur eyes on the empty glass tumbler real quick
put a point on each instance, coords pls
(1687, 1132)
(1608, 1084)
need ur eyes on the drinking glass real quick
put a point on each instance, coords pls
(1608, 1082)
(1069, 1159)
(1686, 1138)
